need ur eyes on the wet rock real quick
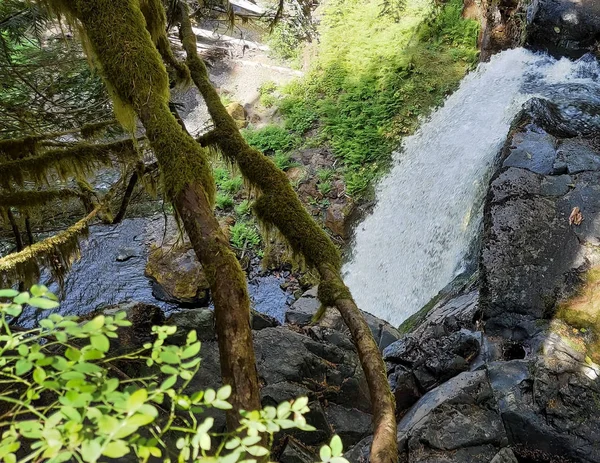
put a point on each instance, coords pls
(456, 422)
(201, 320)
(563, 28)
(177, 276)
(533, 151)
(260, 321)
(547, 407)
(336, 219)
(302, 311)
(579, 116)
(418, 364)
(505, 455)
(350, 424)
(295, 452)
(125, 254)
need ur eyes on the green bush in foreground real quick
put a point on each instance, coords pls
(62, 398)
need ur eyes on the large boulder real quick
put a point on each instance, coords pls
(562, 27)
(541, 223)
(177, 276)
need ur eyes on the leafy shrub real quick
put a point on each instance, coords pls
(243, 208)
(244, 235)
(325, 174)
(324, 187)
(223, 201)
(271, 139)
(284, 161)
(221, 175)
(62, 400)
(366, 94)
(233, 185)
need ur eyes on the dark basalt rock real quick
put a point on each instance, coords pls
(563, 28)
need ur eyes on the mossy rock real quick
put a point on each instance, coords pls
(238, 113)
(177, 276)
(582, 312)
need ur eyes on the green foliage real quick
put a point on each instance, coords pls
(285, 42)
(324, 187)
(271, 139)
(284, 161)
(369, 88)
(244, 235)
(61, 399)
(233, 185)
(243, 208)
(223, 201)
(221, 175)
(325, 174)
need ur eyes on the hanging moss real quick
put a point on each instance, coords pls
(56, 253)
(25, 200)
(77, 160)
(18, 148)
(94, 130)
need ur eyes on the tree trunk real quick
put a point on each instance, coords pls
(126, 198)
(278, 206)
(132, 66)
(15, 230)
(30, 237)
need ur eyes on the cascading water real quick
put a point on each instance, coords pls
(428, 208)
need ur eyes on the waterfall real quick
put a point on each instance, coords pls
(428, 208)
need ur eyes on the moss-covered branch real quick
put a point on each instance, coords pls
(279, 207)
(25, 200)
(56, 253)
(77, 160)
(19, 148)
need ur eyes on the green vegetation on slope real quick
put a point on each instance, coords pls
(374, 76)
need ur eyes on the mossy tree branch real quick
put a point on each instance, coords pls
(25, 200)
(278, 206)
(77, 160)
(132, 68)
(56, 253)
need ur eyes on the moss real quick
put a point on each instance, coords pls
(131, 65)
(26, 200)
(93, 130)
(56, 253)
(18, 148)
(582, 311)
(77, 160)
(331, 290)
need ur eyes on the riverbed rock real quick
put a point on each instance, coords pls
(302, 311)
(563, 28)
(177, 276)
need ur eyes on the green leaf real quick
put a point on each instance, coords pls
(94, 324)
(191, 351)
(336, 446)
(137, 399)
(116, 449)
(22, 298)
(224, 393)
(22, 366)
(139, 420)
(257, 451)
(325, 453)
(169, 357)
(39, 375)
(168, 383)
(42, 303)
(38, 290)
(90, 450)
(100, 342)
(9, 293)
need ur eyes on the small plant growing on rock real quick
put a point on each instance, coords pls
(61, 398)
(233, 185)
(324, 187)
(243, 208)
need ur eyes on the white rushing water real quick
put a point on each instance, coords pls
(428, 207)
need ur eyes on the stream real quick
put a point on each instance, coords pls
(422, 231)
